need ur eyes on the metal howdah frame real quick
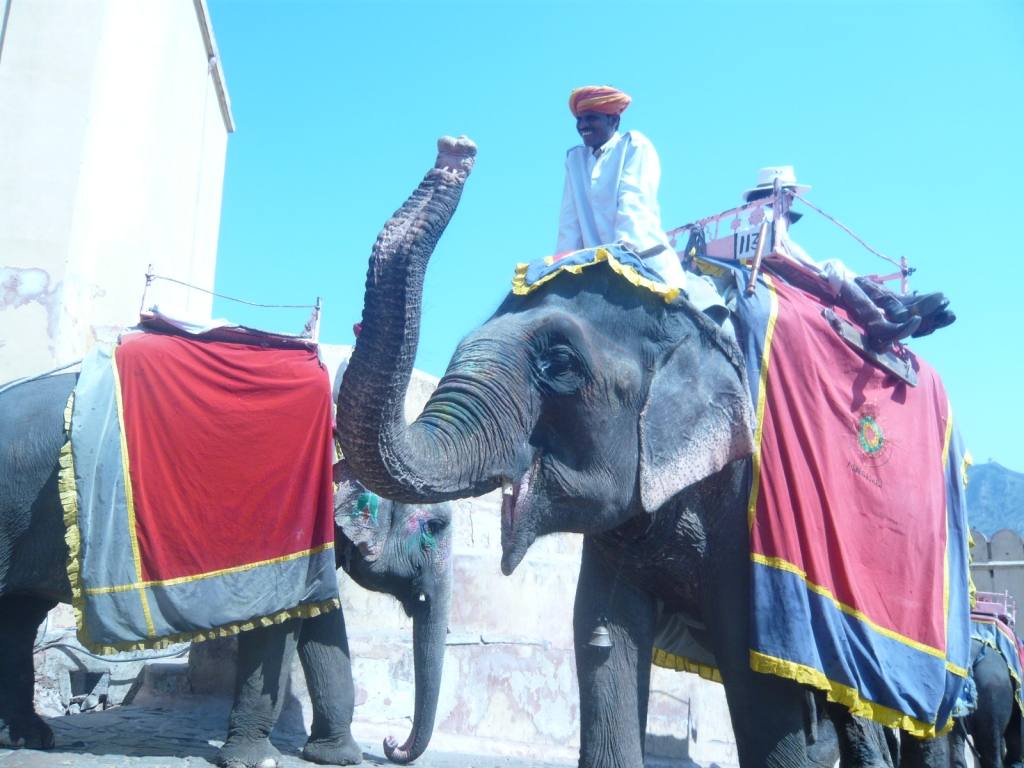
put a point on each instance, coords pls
(781, 200)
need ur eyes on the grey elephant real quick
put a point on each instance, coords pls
(995, 726)
(405, 550)
(602, 410)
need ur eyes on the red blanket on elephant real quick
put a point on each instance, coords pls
(857, 526)
(204, 489)
(857, 514)
(230, 453)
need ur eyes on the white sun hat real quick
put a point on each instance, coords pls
(766, 180)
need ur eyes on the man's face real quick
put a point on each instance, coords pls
(596, 127)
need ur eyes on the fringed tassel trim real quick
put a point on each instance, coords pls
(846, 696)
(682, 664)
(299, 612)
(521, 288)
(69, 501)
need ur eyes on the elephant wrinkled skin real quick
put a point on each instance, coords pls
(601, 410)
(996, 725)
(405, 551)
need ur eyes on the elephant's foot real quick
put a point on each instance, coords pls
(26, 733)
(339, 751)
(250, 754)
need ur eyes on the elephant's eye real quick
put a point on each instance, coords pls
(561, 370)
(434, 526)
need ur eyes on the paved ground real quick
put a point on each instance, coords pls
(135, 737)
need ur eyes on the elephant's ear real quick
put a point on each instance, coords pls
(697, 417)
(362, 516)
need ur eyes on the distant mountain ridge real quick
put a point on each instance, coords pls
(995, 498)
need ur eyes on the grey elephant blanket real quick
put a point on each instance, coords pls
(197, 491)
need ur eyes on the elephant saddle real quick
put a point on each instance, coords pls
(197, 490)
(996, 636)
(857, 514)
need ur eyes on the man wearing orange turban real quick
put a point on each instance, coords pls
(598, 98)
(611, 193)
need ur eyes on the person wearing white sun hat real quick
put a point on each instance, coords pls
(885, 315)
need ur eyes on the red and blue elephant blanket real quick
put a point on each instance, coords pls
(197, 490)
(857, 512)
(858, 527)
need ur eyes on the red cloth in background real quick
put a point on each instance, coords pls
(229, 450)
(852, 480)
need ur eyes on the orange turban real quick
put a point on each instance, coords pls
(598, 98)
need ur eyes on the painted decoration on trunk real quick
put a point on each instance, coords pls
(857, 513)
(198, 491)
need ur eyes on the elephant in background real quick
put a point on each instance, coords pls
(403, 550)
(599, 409)
(995, 726)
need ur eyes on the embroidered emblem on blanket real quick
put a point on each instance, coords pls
(857, 514)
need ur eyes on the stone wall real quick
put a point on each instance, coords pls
(998, 565)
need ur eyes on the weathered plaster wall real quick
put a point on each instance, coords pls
(112, 148)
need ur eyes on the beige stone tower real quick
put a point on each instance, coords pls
(114, 118)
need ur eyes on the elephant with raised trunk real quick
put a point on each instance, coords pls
(401, 549)
(602, 410)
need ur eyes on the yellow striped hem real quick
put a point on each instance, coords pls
(849, 697)
(68, 489)
(783, 565)
(521, 288)
(667, 660)
(129, 496)
(945, 554)
(227, 630)
(224, 571)
(762, 394)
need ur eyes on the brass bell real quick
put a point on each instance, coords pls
(601, 638)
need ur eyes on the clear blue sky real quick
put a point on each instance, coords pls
(907, 118)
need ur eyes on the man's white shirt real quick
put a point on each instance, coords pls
(612, 197)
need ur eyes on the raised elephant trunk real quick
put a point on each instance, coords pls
(446, 453)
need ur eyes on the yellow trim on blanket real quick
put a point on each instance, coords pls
(762, 395)
(129, 496)
(945, 554)
(845, 695)
(1018, 696)
(211, 574)
(520, 288)
(775, 562)
(707, 268)
(668, 660)
(967, 462)
(68, 490)
(227, 630)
